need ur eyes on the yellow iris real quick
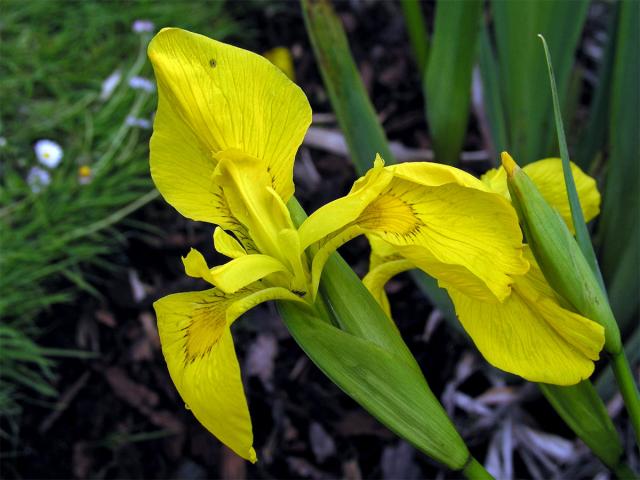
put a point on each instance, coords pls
(225, 136)
(531, 332)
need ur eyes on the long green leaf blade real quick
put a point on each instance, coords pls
(577, 217)
(522, 70)
(621, 208)
(349, 99)
(447, 82)
(583, 410)
(381, 382)
(416, 27)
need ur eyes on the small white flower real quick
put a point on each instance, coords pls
(142, 26)
(138, 122)
(3, 142)
(49, 153)
(38, 178)
(110, 84)
(141, 83)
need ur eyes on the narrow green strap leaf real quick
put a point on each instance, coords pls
(490, 73)
(447, 82)
(381, 382)
(522, 75)
(592, 138)
(416, 27)
(584, 412)
(582, 234)
(349, 99)
(621, 207)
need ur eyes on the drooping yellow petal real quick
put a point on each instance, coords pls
(448, 224)
(215, 97)
(198, 348)
(530, 333)
(548, 177)
(196, 340)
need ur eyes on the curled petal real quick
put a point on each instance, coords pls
(449, 224)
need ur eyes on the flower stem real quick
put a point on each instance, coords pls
(475, 471)
(628, 388)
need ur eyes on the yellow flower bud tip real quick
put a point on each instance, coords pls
(84, 171)
(508, 164)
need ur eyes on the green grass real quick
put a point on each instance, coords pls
(54, 57)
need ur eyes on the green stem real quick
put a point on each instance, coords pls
(628, 388)
(475, 471)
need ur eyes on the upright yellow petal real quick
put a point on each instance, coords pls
(448, 224)
(548, 176)
(215, 97)
(196, 340)
(530, 333)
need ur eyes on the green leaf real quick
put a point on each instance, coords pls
(382, 382)
(621, 208)
(349, 99)
(522, 70)
(491, 86)
(582, 409)
(577, 217)
(417, 31)
(447, 83)
(592, 139)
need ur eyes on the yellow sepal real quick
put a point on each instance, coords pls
(531, 334)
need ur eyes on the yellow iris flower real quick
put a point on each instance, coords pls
(531, 333)
(225, 136)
